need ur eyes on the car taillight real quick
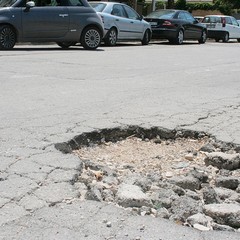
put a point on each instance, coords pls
(167, 23)
(223, 22)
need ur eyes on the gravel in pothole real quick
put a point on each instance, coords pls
(189, 181)
(144, 156)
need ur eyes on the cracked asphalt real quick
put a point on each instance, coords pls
(49, 95)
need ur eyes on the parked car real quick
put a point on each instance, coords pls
(65, 22)
(176, 26)
(121, 22)
(221, 27)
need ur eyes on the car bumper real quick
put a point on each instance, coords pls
(163, 33)
(216, 34)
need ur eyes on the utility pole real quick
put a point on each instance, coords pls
(153, 5)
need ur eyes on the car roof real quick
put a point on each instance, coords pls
(217, 16)
(167, 10)
(109, 3)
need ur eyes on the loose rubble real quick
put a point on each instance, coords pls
(193, 182)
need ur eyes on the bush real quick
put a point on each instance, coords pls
(181, 4)
(224, 6)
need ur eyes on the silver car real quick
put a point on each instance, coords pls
(65, 22)
(121, 22)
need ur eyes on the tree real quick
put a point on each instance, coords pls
(226, 6)
(181, 4)
(234, 3)
(170, 4)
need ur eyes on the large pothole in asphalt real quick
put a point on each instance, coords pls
(185, 176)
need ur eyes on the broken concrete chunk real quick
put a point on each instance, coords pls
(223, 160)
(132, 196)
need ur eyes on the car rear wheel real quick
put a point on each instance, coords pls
(217, 40)
(111, 38)
(146, 37)
(7, 37)
(180, 37)
(203, 38)
(226, 37)
(65, 45)
(91, 38)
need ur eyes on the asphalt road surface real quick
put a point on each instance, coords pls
(49, 95)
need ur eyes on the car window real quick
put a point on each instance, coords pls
(41, 3)
(234, 21)
(7, 3)
(118, 11)
(181, 16)
(228, 20)
(162, 14)
(99, 7)
(131, 14)
(76, 3)
(189, 17)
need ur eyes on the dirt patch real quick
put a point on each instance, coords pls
(144, 156)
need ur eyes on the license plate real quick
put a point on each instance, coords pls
(153, 23)
(211, 26)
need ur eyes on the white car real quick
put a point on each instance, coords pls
(121, 22)
(221, 27)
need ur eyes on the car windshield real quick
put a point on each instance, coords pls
(161, 14)
(7, 3)
(98, 6)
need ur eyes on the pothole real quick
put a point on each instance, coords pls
(185, 176)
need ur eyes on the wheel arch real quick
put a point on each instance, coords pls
(150, 31)
(92, 25)
(114, 27)
(13, 28)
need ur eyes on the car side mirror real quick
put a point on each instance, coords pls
(29, 5)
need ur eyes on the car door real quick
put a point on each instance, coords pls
(121, 21)
(193, 30)
(236, 28)
(45, 22)
(229, 27)
(136, 25)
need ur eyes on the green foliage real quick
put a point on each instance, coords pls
(170, 4)
(181, 4)
(200, 6)
(234, 4)
(159, 5)
(224, 6)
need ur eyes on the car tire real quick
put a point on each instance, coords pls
(146, 37)
(217, 39)
(238, 39)
(7, 37)
(65, 45)
(91, 38)
(111, 37)
(180, 37)
(203, 38)
(226, 37)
